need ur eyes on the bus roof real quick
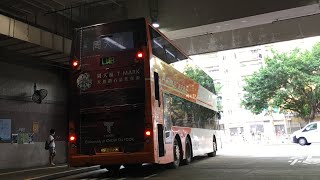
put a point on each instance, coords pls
(111, 22)
(133, 20)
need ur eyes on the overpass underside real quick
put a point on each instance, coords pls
(21, 41)
(226, 35)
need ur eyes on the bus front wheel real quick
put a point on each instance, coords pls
(176, 154)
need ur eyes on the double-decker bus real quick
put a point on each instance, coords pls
(129, 106)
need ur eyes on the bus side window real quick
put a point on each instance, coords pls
(156, 87)
(163, 49)
(166, 99)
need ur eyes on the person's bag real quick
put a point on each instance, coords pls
(46, 145)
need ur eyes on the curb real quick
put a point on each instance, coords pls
(65, 173)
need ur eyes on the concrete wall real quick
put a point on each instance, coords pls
(16, 88)
(29, 155)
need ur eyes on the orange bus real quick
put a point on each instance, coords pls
(129, 106)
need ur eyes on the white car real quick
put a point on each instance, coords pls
(307, 135)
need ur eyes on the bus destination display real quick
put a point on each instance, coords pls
(107, 61)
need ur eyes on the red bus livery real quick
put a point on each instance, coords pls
(129, 105)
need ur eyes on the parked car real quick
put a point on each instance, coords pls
(307, 135)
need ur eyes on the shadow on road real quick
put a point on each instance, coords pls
(147, 170)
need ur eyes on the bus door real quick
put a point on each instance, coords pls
(167, 124)
(161, 148)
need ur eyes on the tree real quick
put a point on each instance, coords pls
(206, 81)
(200, 77)
(218, 88)
(290, 81)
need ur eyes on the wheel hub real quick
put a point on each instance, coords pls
(177, 152)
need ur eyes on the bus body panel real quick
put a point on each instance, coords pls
(111, 159)
(174, 82)
(110, 97)
(202, 140)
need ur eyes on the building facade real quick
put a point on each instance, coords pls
(229, 69)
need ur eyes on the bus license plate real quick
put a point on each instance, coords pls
(110, 149)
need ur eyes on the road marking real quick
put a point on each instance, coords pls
(122, 178)
(297, 157)
(21, 171)
(312, 160)
(299, 161)
(309, 157)
(289, 161)
(150, 176)
(294, 162)
(63, 172)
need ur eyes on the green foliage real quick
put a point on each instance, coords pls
(200, 77)
(204, 80)
(290, 81)
(218, 88)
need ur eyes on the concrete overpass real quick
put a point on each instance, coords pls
(200, 27)
(35, 40)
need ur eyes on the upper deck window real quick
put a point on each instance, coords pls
(163, 49)
(109, 38)
(96, 43)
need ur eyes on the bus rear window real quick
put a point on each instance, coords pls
(113, 42)
(110, 38)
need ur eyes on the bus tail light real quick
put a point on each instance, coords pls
(139, 55)
(147, 133)
(75, 64)
(72, 138)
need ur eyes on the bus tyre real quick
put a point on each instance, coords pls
(176, 154)
(114, 170)
(188, 152)
(132, 166)
(212, 154)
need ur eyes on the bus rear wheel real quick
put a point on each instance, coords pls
(176, 154)
(188, 152)
(214, 147)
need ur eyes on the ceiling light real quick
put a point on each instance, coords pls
(155, 24)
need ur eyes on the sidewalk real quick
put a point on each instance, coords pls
(44, 172)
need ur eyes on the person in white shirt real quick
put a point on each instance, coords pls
(52, 147)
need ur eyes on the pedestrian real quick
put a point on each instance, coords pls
(52, 147)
